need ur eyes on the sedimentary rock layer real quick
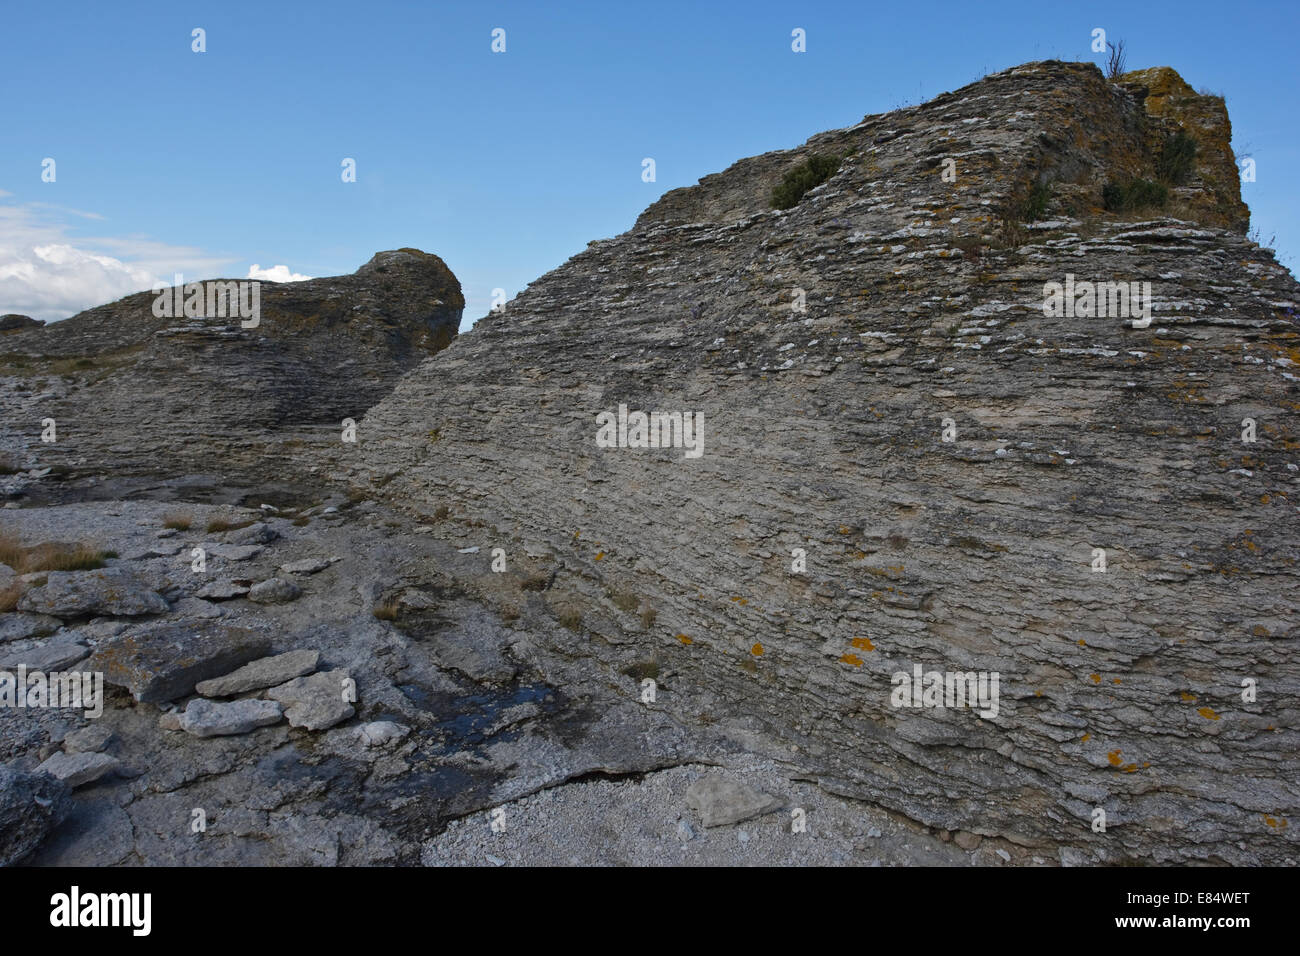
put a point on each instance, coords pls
(824, 432)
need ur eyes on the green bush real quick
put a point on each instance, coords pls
(1177, 159)
(1036, 202)
(1133, 195)
(813, 171)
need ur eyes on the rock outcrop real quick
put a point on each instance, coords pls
(131, 392)
(906, 462)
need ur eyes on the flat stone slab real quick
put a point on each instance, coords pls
(164, 662)
(210, 718)
(87, 740)
(267, 672)
(274, 591)
(307, 565)
(314, 702)
(721, 801)
(53, 655)
(114, 591)
(79, 769)
(18, 626)
(233, 552)
(221, 590)
(31, 804)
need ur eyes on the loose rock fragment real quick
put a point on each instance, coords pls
(209, 718)
(267, 672)
(315, 702)
(78, 769)
(721, 801)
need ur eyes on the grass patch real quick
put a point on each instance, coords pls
(178, 521)
(569, 616)
(217, 525)
(812, 172)
(1177, 159)
(388, 609)
(51, 556)
(624, 601)
(1134, 195)
(1035, 205)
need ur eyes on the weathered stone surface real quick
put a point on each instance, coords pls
(70, 594)
(380, 732)
(163, 662)
(79, 769)
(222, 589)
(13, 322)
(57, 653)
(234, 552)
(274, 591)
(31, 804)
(721, 801)
(209, 718)
(314, 702)
(323, 350)
(18, 626)
(267, 672)
(307, 566)
(92, 739)
(824, 432)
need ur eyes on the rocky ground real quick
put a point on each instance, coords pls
(477, 636)
(454, 716)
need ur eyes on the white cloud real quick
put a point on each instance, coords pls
(48, 273)
(275, 274)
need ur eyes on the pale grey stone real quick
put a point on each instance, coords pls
(314, 702)
(721, 801)
(209, 718)
(79, 769)
(267, 672)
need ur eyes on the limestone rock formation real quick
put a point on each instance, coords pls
(136, 393)
(885, 401)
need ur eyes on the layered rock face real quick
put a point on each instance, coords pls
(133, 392)
(905, 462)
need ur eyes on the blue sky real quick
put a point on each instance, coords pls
(503, 164)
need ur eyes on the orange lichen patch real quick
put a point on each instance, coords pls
(1259, 630)
(1095, 678)
(684, 639)
(844, 530)
(1264, 499)
(757, 650)
(851, 659)
(1113, 757)
(1145, 764)
(1082, 643)
(863, 643)
(1208, 714)
(1277, 823)
(599, 555)
(1186, 696)
(1085, 738)
(1131, 768)
(1038, 693)
(577, 534)
(1115, 680)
